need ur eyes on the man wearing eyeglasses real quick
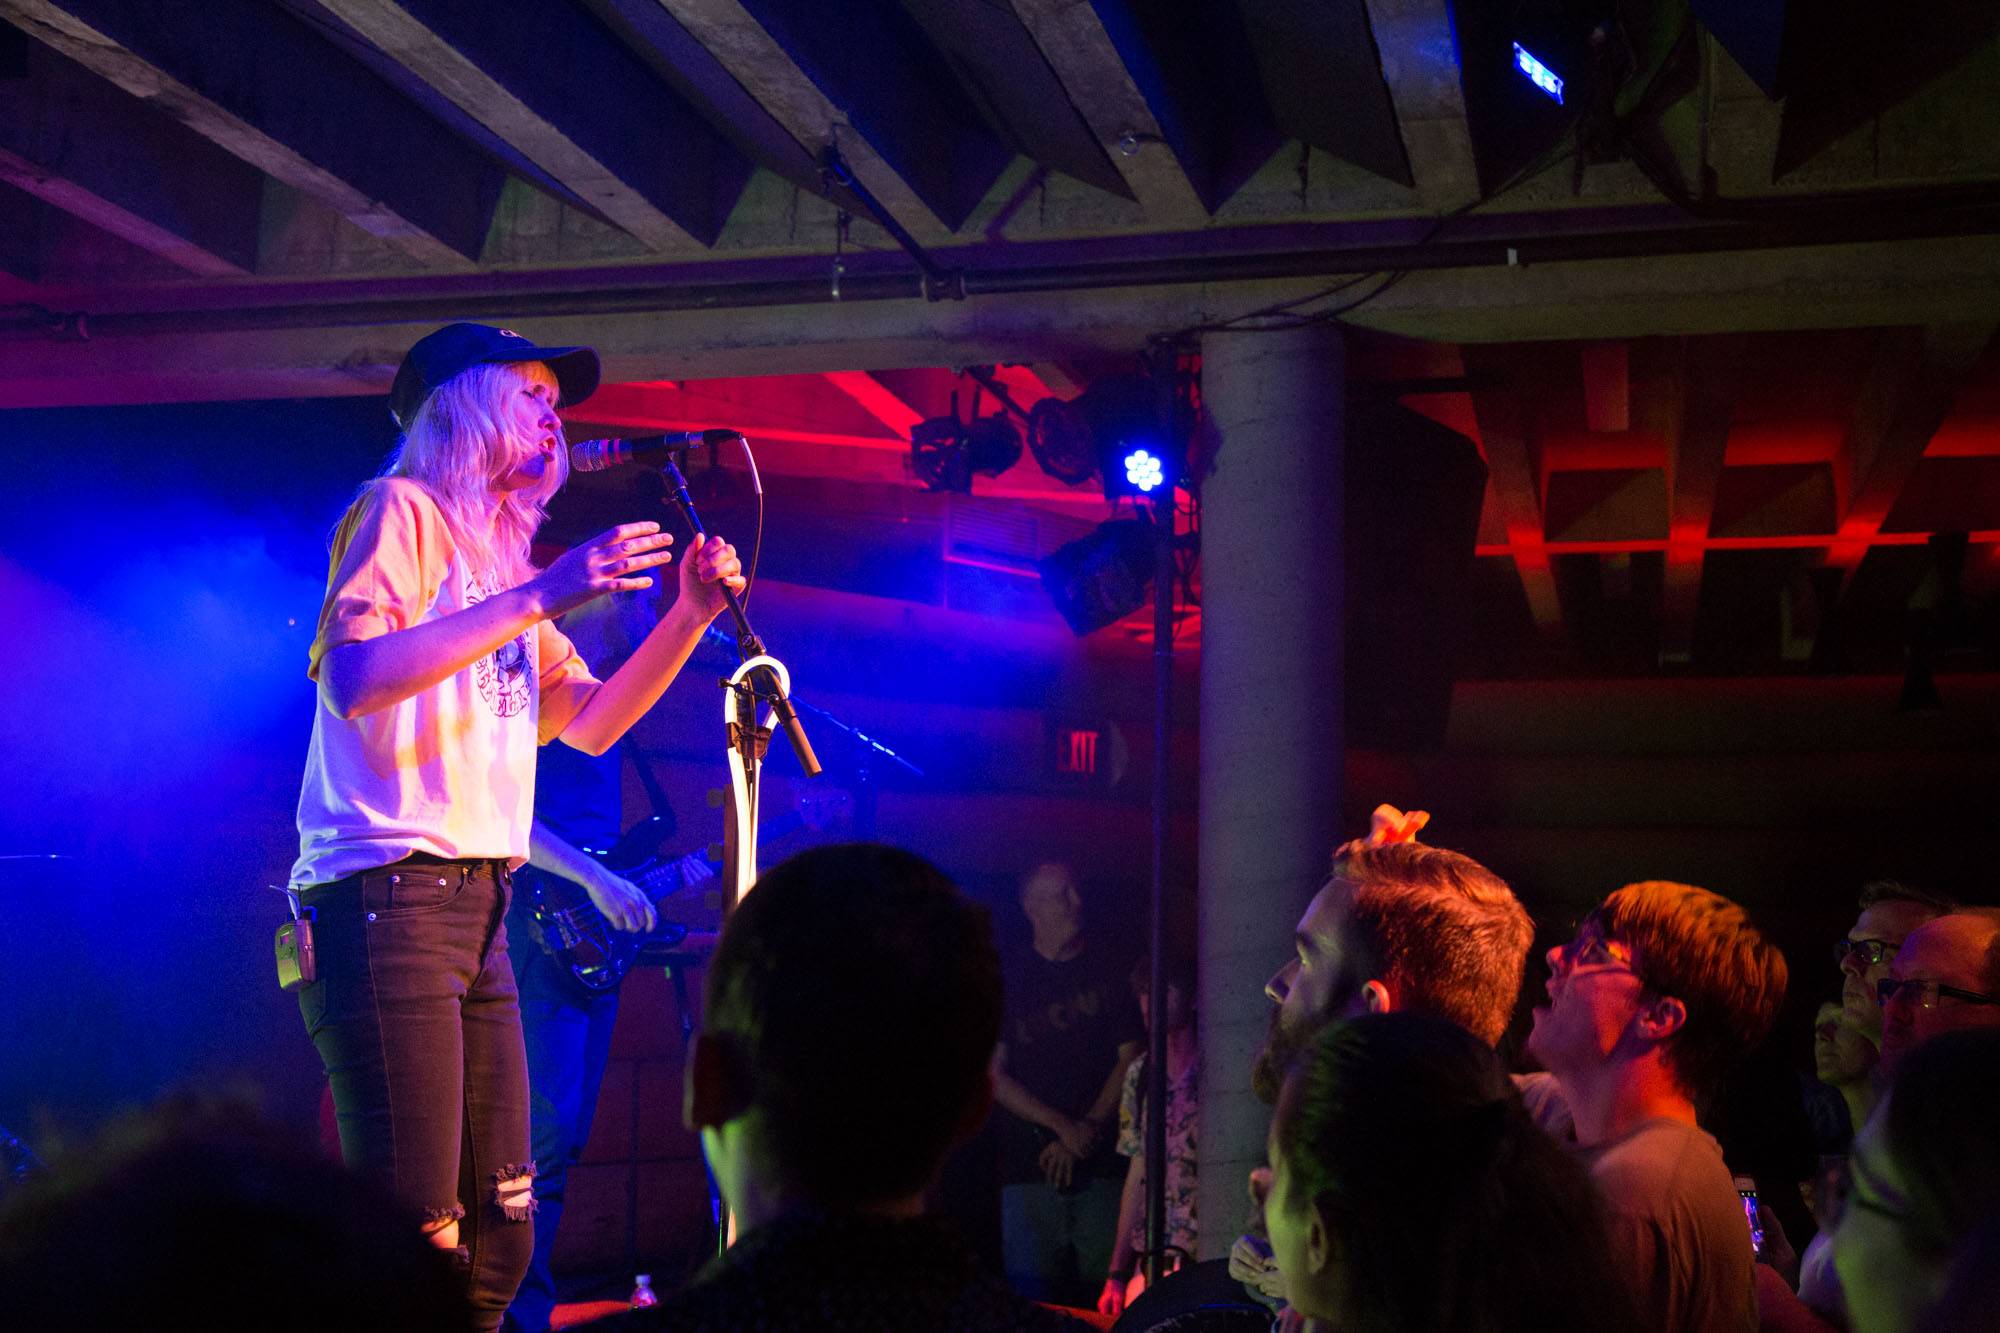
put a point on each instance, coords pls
(1890, 910)
(1664, 987)
(1945, 977)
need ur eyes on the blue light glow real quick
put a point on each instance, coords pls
(1143, 470)
(1539, 74)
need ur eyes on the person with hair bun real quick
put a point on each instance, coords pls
(1411, 1191)
(439, 672)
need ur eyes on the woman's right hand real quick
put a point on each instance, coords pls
(605, 563)
(1111, 1301)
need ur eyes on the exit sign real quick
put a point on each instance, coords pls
(1076, 751)
(1083, 752)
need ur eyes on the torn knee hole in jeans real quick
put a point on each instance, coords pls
(514, 1191)
(437, 1219)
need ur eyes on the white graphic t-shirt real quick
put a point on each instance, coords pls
(450, 771)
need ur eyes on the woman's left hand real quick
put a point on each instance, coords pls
(709, 566)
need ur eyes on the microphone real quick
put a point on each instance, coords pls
(597, 455)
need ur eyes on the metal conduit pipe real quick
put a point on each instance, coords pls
(1842, 222)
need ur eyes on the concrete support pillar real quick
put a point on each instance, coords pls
(1271, 663)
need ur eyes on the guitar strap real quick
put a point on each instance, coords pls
(656, 795)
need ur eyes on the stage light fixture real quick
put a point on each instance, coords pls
(1144, 471)
(1527, 68)
(945, 452)
(1538, 74)
(1062, 442)
(1103, 577)
(1116, 430)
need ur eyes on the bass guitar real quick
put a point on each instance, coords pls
(597, 954)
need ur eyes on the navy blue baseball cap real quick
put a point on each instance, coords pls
(436, 357)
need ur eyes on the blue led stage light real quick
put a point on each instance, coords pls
(1144, 470)
(1539, 74)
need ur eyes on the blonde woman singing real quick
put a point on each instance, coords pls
(440, 672)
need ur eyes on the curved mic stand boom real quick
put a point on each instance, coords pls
(761, 678)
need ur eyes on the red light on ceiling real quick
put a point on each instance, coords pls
(1778, 443)
(1966, 437)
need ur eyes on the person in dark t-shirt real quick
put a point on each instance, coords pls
(1663, 987)
(848, 1024)
(1072, 1028)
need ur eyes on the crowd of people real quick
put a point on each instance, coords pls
(1660, 993)
(1414, 1183)
(855, 1026)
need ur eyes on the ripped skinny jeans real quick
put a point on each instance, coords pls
(417, 1020)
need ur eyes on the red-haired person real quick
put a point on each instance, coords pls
(1400, 926)
(1664, 987)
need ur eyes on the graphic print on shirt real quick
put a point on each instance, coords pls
(502, 675)
(1059, 1016)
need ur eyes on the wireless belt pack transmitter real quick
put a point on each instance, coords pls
(297, 963)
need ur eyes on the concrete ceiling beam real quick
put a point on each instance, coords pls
(1607, 386)
(989, 52)
(920, 86)
(77, 143)
(1684, 391)
(1027, 385)
(260, 84)
(878, 400)
(1322, 71)
(22, 220)
(1513, 481)
(705, 84)
(1904, 397)
(310, 332)
(623, 143)
(1058, 380)
(768, 72)
(1821, 287)
(1074, 41)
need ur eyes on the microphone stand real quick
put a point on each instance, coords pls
(748, 645)
(867, 753)
(761, 678)
(867, 745)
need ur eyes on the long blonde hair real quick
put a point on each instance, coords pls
(458, 446)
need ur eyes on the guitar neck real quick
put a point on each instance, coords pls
(681, 867)
(674, 873)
